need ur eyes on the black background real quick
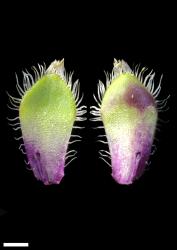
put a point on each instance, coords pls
(88, 206)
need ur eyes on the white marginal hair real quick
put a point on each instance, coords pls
(121, 67)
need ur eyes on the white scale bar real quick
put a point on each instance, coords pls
(15, 244)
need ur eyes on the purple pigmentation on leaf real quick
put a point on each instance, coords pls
(38, 159)
(138, 97)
